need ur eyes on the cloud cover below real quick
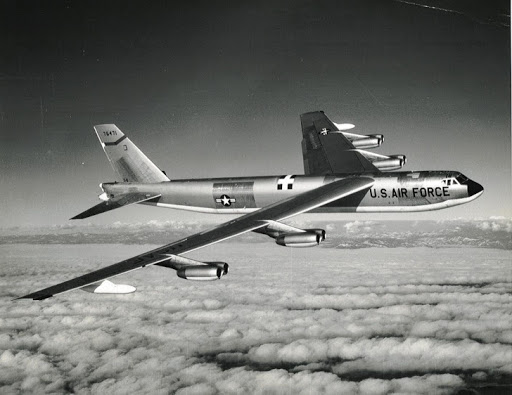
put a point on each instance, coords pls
(493, 232)
(370, 321)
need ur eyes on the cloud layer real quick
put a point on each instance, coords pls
(370, 321)
(494, 232)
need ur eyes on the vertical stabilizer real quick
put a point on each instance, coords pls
(128, 161)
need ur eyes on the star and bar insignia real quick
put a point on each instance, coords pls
(225, 200)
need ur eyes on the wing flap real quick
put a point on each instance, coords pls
(118, 201)
(276, 212)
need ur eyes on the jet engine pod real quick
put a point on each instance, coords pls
(222, 265)
(202, 272)
(319, 232)
(371, 141)
(302, 239)
(393, 162)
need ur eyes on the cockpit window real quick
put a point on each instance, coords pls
(462, 179)
(451, 181)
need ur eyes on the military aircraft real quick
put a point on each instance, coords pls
(340, 176)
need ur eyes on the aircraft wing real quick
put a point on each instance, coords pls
(276, 212)
(118, 201)
(325, 152)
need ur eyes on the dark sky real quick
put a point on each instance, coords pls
(210, 89)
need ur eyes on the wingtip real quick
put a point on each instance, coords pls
(19, 298)
(312, 113)
(33, 297)
(81, 215)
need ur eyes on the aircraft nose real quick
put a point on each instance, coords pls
(474, 188)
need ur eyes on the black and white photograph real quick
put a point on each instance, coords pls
(255, 197)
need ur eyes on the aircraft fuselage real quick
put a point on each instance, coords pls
(391, 192)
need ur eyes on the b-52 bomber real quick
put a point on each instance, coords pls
(341, 176)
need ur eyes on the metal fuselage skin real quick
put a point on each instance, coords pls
(391, 192)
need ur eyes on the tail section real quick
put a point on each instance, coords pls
(128, 161)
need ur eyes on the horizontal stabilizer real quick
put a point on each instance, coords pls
(118, 201)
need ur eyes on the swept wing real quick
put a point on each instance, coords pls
(276, 212)
(327, 151)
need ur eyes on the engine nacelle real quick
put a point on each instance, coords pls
(372, 141)
(302, 239)
(190, 269)
(209, 272)
(319, 232)
(393, 162)
(222, 265)
(361, 141)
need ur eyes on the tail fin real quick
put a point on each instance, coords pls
(127, 160)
